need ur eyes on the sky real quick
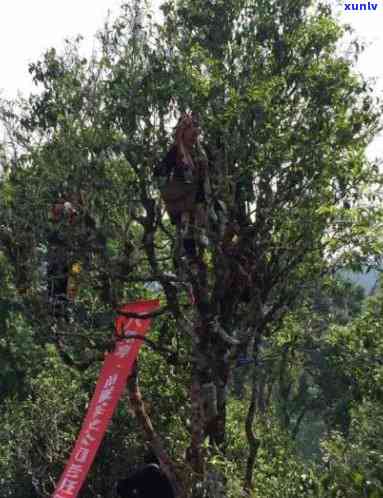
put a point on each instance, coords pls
(29, 27)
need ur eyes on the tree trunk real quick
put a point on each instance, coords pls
(216, 427)
(153, 438)
(194, 453)
(253, 441)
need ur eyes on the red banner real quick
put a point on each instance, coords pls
(111, 382)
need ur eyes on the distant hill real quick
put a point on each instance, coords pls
(367, 280)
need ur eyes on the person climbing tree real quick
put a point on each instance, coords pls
(71, 230)
(183, 182)
(63, 212)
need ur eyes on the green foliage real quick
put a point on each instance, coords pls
(353, 461)
(35, 432)
(285, 123)
(280, 471)
(354, 464)
(19, 353)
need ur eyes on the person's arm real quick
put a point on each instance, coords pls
(63, 208)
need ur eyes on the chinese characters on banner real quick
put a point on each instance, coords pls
(111, 382)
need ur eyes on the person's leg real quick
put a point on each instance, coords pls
(201, 224)
(185, 223)
(73, 280)
(187, 235)
(57, 274)
(57, 280)
(190, 247)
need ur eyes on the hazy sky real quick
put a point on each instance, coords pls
(29, 27)
(368, 27)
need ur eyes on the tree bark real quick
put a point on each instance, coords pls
(154, 439)
(194, 453)
(252, 440)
